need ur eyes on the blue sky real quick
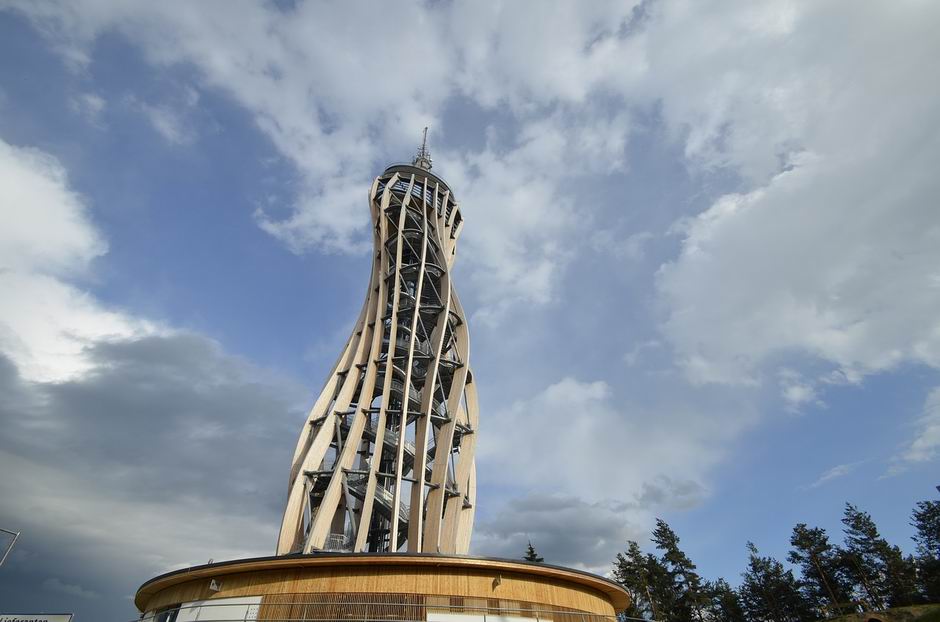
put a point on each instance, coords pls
(700, 262)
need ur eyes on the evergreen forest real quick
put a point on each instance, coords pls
(862, 573)
(827, 579)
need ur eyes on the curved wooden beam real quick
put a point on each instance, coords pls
(373, 467)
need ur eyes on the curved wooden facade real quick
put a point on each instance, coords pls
(425, 583)
(384, 462)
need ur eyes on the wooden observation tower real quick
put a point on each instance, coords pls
(382, 486)
(384, 462)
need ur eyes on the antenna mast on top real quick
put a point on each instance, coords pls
(423, 158)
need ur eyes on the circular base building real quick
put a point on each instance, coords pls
(379, 587)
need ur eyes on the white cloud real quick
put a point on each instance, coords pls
(46, 325)
(760, 90)
(523, 221)
(524, 56)
(840, 470)
(833, 290)
(576, 449)
(578, 438)
(44, 226)
(796, 391)
(316, 219)
(90, 106)
(336, 116)
(834, 257)
(323, 115)
(926, 444)
(171, 118)
(566, 418)
(167, 122)
(46, 237)
(95, 401)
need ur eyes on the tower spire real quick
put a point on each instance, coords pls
(423, 158)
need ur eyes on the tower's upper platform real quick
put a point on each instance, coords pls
(451, 209)
(409, 169)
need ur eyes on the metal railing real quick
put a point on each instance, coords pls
(9, 546)
(338, 542)
(298, 608)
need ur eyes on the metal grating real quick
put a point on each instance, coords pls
(377, 607)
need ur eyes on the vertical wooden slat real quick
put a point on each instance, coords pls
(406, 387)
(369, 502)
(375, 330)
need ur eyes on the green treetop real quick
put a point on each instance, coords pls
(531, 555)
(769, 593)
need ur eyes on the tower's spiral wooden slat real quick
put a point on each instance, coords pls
(385, 459)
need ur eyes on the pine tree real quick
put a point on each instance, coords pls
(926, 521)
(880, 570)
(769, 593)
(724, 602)
(531, 555)
(663, 591)
(633, 570)
(686, 582)
(860, 561)
(824, 581)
